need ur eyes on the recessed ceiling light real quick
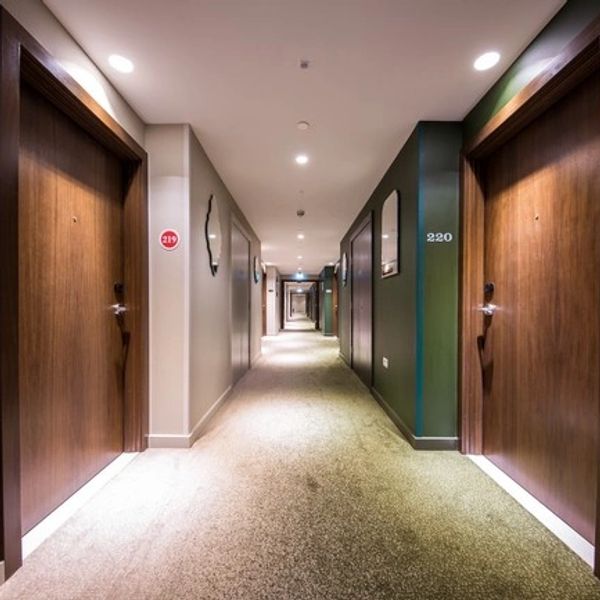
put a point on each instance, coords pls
(487, 61)
(302, 125)
(300, 257)
(300, 236)
(385, 236)
(299, 290)
(120, 63)
(330, 264)
(301, 159)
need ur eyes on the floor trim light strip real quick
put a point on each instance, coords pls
(546, 517)
(45, 528)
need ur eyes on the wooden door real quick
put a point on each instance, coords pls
(541, 352)
(335, 301)
(240, 303)
(71, 350)
(264, 304)
(362, 318)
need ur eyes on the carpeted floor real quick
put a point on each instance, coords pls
(299, 323)
(302, 489)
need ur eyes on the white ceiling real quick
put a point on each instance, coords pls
(231, 69)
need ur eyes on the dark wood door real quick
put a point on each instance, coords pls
(541, 353)
(334, 301)
(71, 349)
(362, 318)
(264, 304)
(240, 303)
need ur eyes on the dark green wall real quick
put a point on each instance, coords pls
(567, 23)
(438, 267)
(415, 311)
(326, 300)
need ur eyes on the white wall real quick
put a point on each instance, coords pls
(35, 17)
(273, 301)
(210, 303)
(190, 341)
(168, 199)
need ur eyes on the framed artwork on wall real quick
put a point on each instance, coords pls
(212, 230)
(390, 235)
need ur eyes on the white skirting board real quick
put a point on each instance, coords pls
(45, 528)
(546, 517)
(186, 440)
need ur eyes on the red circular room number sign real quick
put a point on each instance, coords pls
(169, 239)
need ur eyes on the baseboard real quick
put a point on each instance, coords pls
(61, 514)
(203, 423)
(256, 358)
(344, 358)
(183, 440)
(545, 516)
(2, 575)
(417, 442)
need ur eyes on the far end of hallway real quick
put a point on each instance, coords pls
(302, 489)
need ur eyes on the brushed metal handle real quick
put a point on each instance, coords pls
(488, 309)
(118, 309)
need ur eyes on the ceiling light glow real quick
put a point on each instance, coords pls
(300, 236)
(486, 61)
(301, 159)
(300, 257)
(120, 63)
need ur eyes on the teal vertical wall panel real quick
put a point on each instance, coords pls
(439, 184)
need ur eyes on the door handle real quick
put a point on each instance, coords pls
(118, 309)
(488, 309)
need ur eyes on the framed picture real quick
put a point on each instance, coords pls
(390, 235)
(212, 231)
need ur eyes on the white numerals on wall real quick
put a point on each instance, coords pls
(439, 237)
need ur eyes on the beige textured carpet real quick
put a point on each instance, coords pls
(302, 489)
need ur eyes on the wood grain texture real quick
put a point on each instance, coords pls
(10, 518)
(22, 59)
(470, 321)
(135, 418)
(70, 352)
(361, 266)
(542, 251)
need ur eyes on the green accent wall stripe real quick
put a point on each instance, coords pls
(420, 289)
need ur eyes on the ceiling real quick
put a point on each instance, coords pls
(231, 69)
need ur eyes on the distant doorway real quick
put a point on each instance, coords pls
(299, 305)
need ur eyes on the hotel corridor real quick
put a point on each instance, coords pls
(301, 489)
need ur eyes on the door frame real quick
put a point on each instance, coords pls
(23, 59)
(282, 314)
(572, 66)
(367, 220)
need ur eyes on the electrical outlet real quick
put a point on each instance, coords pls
(386, 362)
